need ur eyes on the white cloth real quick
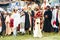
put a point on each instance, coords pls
(22, 18)
(37, 32)
(54, 13)
(55, 26)
(22, 27)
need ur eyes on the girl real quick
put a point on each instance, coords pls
(37, 28)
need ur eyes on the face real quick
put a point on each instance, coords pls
(29, 8)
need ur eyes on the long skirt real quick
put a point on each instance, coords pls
(8, 29)
(37, 30)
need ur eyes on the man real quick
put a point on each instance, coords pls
(22, 22)
(47, 20)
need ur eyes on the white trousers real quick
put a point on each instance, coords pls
(22, 27)
(15, 31)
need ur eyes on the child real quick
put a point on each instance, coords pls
(37, 28)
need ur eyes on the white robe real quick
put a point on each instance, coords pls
(16, 18)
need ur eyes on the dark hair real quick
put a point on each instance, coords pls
(57, 7)
(48, 7)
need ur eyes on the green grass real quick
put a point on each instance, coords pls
(46, 36)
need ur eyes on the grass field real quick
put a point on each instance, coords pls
(46, 36)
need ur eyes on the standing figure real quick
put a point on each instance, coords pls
(16, 18)
(27, 22)
(7, 22)
(22, 22)
(37, 27)
(30, 18)
(0, 25)
(55, 19)
(59, 17)
(47, 20)
(3, 23)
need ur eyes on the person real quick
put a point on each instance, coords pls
(37, 28)
(54, 19)
(47, 20)
(7, 22)
(16, 18)
(59, 17)
(27, 20)
(0, 25)
(3, 23)
(56, 11)
(30, 19)
(22, 22)
(11, 23)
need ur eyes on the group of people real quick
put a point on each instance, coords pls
(32, 19)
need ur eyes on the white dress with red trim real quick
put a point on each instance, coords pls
(37, 30)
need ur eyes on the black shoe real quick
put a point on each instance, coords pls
(11, 33)
(29, 32)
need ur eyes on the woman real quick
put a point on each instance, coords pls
(7, 22)
(0, 25)
(59, 17)
(37, 28)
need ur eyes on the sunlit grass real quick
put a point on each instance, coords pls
(46, 36)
